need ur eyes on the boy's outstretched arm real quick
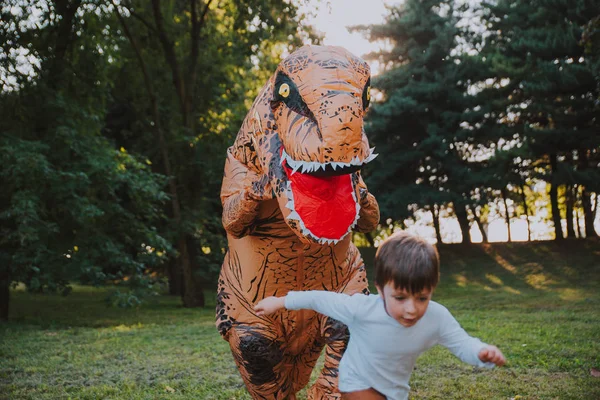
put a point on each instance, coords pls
(492, 354)
(338, 306)
(269, 305)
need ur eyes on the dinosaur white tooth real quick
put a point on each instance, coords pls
(294, 215)
(283, 157)
(290, 204)
(372, 150)
(334, 165)
(295, 168)
(371, 157)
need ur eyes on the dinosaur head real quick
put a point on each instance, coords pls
(313, 109)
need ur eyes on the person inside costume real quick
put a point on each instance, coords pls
(292, 195)
(390, 330)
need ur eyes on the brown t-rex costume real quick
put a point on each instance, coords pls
(291, 196)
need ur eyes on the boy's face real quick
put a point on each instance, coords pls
(406, 308)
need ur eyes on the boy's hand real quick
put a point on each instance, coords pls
(492, 354)
(269, 305)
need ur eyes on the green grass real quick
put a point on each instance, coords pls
(538, 302)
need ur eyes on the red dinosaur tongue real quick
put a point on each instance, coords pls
(326, 205)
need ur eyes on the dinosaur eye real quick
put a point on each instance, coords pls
(284, 90)
(366, 96)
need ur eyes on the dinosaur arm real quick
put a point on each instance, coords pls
(369, 209)
(241, 193)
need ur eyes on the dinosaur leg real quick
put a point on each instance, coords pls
(336, 337)
(260, 359)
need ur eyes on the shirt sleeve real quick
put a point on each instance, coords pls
(339, 306)
(455, 339)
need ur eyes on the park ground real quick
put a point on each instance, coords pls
(539, 302)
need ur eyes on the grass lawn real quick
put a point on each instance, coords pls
(538, 302)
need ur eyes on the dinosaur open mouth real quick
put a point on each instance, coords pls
(323, 202)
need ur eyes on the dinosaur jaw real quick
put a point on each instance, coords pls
(326, 168)
(322, 200)
(326, 209)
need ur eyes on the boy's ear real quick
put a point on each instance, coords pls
(379, 289)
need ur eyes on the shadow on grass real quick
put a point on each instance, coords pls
(86, 307)
(555, 272)
(543, 274)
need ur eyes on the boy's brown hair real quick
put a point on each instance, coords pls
(409, 261)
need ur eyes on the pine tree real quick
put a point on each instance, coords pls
(416, 124)
(540, 92)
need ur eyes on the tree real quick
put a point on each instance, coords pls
(541, 92)
(73, 206)
(416, 124)
(193, 116)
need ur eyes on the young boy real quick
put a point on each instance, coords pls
(390, 330)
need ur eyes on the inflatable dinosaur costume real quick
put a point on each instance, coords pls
(291, 196)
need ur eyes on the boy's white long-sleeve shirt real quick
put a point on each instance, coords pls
(381, 353)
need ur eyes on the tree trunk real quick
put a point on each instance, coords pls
(526, 208)
(175, 276)
(463, 221)
(67, 10)
(554, 199)
(436, 223)
(370, 239)
(586, 203)
(484, 237)
(4, 295)
(193, 296)
(580, 232)
(506, 213)
(569, 201)
(588, 213)
(184, 84)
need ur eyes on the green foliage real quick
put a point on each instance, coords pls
(74, 207)
(538, 104)
(240, 44)
(96, 126)
(414, 124)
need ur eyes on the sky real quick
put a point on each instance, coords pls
(335, 15)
